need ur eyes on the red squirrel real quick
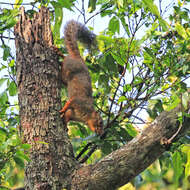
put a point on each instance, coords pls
(76, 77)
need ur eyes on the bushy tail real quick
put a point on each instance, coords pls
(75, 31)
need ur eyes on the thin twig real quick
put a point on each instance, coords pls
(89, 154)
(83, 150)
(109, 6)
(83, 12)
(6, 37)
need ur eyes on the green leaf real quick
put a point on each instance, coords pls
(3, 134)
(120, 3)
(22, 156)
(185, 99)
(3, 98)
(18, 3)
(10, 23)
(152, 7)
(13, 141)
(149, 51)
(177, 166)
(138, 80)
(164, 24)
(114, 25)
(125, 25)
(12, 89)
(19, 161)
(181, 31)
(186, 150)
(91, 5)
(8, 19)
(118, 59)
(106, 148)
(187, 166)
(6, 52)
(131, 130)
(12, 122)
(165, 162)
(127, 88)
(122, 99)
(66, 4)
(77, 129)
(2, 80)
(58, 19)
(185, 68)
(103, 80)
(26, 146)
(123, 134)
(175, 100)
(110, 65)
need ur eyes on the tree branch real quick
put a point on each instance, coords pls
(121, 166)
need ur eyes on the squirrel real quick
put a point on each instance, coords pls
(76, 78)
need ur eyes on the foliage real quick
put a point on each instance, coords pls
(142, 66)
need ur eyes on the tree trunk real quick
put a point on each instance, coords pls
(39, 85)
(53, 166)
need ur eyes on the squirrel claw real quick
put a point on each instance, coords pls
(62, 115)
(62, 112)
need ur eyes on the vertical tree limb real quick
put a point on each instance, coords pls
(39, 85)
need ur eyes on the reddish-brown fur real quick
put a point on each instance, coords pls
(76, 77)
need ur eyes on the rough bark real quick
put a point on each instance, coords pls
(121, 166)
(52, 163)
(39, 85)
